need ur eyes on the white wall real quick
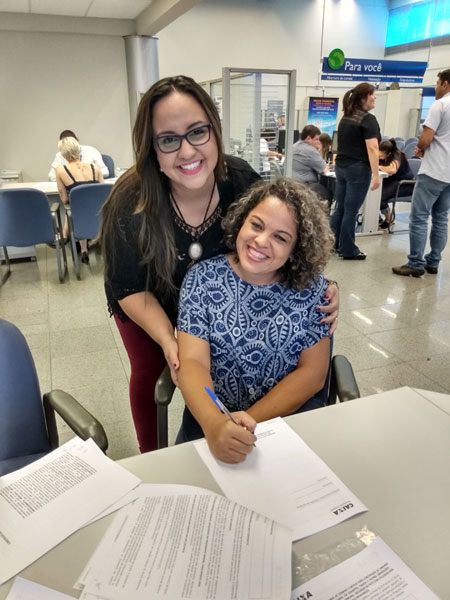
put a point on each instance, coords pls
(277, 34)
(273, 34)
(55, 81)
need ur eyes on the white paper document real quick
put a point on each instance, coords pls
(375, 573)
(186, 542)
(283, 479)
(45, 502)
(23, 589)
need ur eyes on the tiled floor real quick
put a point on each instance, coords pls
(395, 331)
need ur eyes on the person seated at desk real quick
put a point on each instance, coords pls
(248, 323)
(307, 163)
(325, 147)
(393, 162)
(89, 155)
(73, 174)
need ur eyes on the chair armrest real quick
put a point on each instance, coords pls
(399, 185)
(76, 416)
(164, 390)
(343, 382)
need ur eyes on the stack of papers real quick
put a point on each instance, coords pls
(45, 502)
(185, 542)
(283, 479)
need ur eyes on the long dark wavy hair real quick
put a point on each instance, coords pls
(145, 190)
(312, 249)
(354, 98)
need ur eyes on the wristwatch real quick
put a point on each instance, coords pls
(333, 282)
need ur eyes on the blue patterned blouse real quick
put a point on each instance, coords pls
(256, 332)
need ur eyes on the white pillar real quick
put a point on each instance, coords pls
(141, 52)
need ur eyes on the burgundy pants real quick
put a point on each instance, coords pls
(147, 363)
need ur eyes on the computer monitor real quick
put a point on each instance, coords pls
(334, 143)
(282, 139)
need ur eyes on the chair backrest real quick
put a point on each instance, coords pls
(110, 164)
(411, 139)
(399, 139)
(22, 422)
(409, 149)
(414, 164)
(86, 202)
(400, 144)
(25, 218)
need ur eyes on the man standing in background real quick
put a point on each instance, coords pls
(432, 190)
(89, 154)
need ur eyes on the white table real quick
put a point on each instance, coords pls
(392, 450)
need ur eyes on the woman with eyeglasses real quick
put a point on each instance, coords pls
(163, 215)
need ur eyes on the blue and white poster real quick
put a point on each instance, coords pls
(322, 113)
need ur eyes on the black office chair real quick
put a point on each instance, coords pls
(110, 164)
(28, 427)
(404, 192)
(341, 383)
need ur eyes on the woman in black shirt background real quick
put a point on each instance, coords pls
(356, 164)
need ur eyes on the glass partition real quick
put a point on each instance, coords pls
(258, 118)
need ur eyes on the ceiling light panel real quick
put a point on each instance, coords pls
(118, 9)
(66, 8)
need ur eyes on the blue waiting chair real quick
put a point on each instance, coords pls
(410, 148)
(83, 214)
(411, 139)
(110, 164)
(28, 428)
(27, 219)
(404, 191)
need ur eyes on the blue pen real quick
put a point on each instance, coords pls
(219, 405)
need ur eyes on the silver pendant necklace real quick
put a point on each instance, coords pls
(195, 249)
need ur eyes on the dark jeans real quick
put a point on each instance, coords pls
(352, 185)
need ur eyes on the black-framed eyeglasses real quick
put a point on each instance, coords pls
(196, 137)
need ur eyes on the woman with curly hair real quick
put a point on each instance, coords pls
(248, 322)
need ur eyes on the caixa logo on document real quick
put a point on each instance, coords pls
(340, 509)
(304, 596)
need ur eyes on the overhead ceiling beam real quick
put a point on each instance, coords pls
(160, 14)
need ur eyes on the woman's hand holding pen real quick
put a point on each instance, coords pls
(231, 442)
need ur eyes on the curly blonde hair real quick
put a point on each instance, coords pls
(314, 238)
